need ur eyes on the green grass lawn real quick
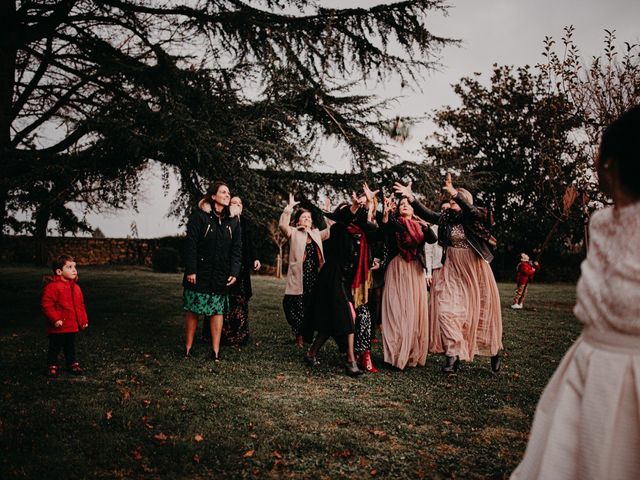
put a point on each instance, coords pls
(142, 411)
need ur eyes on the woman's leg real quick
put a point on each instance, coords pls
(190, 326)
(216, 331)
(350, 341)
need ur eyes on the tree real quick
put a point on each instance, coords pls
(92, 90)
(511, 143)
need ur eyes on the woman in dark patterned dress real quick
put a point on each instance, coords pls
(305, 259)
(235, 330)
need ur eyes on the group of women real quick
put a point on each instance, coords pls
(332, 288)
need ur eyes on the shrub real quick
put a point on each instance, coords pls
(165, 260)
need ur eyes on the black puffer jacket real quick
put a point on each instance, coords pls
(213, 251)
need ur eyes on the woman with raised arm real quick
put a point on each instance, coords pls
(340, 298)
(587, 423)
(306, 256)
(405, 311)
(213, 251)
(469, 313)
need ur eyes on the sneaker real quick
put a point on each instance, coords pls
(76, 369)
(516, 306)
(53, 371)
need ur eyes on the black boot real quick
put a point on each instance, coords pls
(351, 369)
(451, 364)
(496, 363)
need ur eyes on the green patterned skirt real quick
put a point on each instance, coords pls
(208, 304)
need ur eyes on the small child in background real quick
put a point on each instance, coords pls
(62, 303)
(525, 272)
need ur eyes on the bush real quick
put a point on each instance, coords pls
(165, 260)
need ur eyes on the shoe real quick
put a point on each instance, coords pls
(187, 353)
(351, 368)
(517, 306)
(310, 360)
(451, 364)
(52, 371)
(76, 369)
(215, 356)
(496, 363)
(365, 363)
(299, 341)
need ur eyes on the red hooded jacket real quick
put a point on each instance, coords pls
(63, 300)
(526, 270)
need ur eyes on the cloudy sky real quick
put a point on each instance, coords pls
(507, 32)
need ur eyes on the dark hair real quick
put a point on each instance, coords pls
(621, 142)
(60, 261)
(212, 190)
(298, 214)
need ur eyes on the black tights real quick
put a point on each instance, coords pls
(62, 341)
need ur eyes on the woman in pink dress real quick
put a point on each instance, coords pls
(587, 423)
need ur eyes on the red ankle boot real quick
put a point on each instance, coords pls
(365, 363)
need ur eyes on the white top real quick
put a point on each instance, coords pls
(433, 254)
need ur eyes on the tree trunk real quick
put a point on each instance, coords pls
(43, 215)
(8, 51)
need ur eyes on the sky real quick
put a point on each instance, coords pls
(507, 32)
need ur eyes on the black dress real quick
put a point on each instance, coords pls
(296, 306)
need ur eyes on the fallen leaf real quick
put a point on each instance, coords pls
(137, 454)
(108, 414)
(346, 453)
(373, 472)
(446, 422)
(248, 453)
(146, 402)
(276, 454)
(125, 394)
(254, 436)
(121, 381)
(378, 433)
(198, 438)
(161, 437)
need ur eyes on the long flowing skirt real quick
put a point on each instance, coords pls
(468, 307)
(435, 336)
(235, 328)
(405, 314)
(587, 423)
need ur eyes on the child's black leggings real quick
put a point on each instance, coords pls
(62, 341)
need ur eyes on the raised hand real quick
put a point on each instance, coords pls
(448, 185)
(370, 194)
(292, 202)
(327, 204)
(404, 190)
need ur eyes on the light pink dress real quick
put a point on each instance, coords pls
(587, 423)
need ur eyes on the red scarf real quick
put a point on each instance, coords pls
(362, 271)
(410, 239)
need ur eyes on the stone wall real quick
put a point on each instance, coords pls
(87, 251)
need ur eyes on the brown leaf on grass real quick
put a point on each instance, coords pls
(281, 377)
(120, 381)
(248, 454)
(253, 436)
(108, 414)
(137, 454)
(373, 472)
(276, 454)
(378, 433)
(146, 355)
(196, 459)
(198, 438)
(146, 402)
(125, 393)
(346, 453)
(160, 437)
(446, 422)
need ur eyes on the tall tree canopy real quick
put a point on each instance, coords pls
(92, 90)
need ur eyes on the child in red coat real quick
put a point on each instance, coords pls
(525, 272)
(62, 303)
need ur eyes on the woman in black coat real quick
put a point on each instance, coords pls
(213, 250)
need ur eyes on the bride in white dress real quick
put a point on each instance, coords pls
(587, 423)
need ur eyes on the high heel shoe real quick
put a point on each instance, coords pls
(365, 363)
(496, 363)
(351, 369)
(451, 364)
